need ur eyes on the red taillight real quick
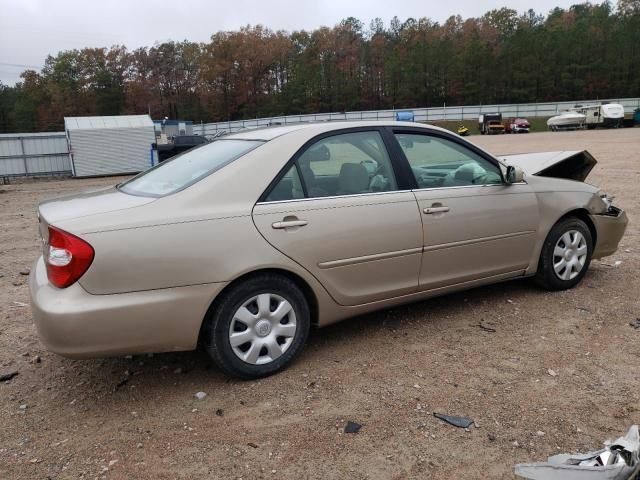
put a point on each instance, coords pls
(67, 257)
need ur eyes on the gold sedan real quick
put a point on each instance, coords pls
(243, 244)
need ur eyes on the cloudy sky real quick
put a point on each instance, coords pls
(32, 29)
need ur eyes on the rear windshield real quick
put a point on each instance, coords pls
(188, 168)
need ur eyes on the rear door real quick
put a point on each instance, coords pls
(341, 212)
(475, 225)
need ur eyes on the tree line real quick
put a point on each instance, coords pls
(585, 51)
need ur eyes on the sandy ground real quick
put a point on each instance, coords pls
(138, 419)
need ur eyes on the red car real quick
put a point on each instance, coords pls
(517, 125)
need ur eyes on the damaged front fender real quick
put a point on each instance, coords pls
(610, 228)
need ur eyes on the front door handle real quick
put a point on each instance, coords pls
(432, 210)
(289, 224)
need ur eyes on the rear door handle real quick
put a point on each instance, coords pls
(432, 210)
(289, 224)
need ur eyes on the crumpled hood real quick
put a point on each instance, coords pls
(90, 203)
(572, 165)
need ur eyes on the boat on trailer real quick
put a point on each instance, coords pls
(569, 120)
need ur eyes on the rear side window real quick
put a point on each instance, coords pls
(187, 168)
(343, 164)
(288, 188)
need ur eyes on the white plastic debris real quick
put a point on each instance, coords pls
(200, 395)
(619, 460)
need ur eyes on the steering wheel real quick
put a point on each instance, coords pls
(382, 170)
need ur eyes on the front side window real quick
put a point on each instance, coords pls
(438, 162)
(186, 169)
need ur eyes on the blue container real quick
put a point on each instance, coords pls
(405, 116)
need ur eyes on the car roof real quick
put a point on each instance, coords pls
(269, 133)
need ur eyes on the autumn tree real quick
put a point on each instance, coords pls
(586, 51)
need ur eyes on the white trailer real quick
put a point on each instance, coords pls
(608, 115)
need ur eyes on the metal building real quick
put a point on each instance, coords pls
(34, 154)
(110, 145)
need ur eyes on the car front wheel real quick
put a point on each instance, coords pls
(565, 255)
(258, 327)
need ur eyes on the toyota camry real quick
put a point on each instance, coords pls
(241, 245)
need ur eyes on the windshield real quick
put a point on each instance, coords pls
(186, 169)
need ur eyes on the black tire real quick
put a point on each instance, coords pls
(216, 333)
(546, 276)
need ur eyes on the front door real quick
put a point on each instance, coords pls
(474, 225)
(338, 211)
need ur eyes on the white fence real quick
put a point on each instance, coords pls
(420, 114)
(32, 154)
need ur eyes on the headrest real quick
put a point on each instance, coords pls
(354, 178)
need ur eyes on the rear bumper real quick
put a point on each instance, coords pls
(76, 324)
(610, 228)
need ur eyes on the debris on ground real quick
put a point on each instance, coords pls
(200, 395)
(617, 263)
(18, 305)
(462, 422)
(352, 427)
(486, 327)
(619, 460)
(252, 445)
(122, 383)
(552, 372)
(25, 272)
(220, 412)
(635, 323)
(5, 377)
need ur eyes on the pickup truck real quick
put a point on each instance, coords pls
(178, 145)
(490, 123)
(517, 125)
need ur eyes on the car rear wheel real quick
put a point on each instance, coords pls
(565, 255)
(258, 327)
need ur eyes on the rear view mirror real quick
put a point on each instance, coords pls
(514, 174)
(406, 142)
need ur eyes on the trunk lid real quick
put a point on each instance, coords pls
(571, 165)
(87, 204)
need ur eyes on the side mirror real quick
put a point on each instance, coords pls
(514, 174)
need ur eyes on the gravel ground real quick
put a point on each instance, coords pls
(560, 373)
